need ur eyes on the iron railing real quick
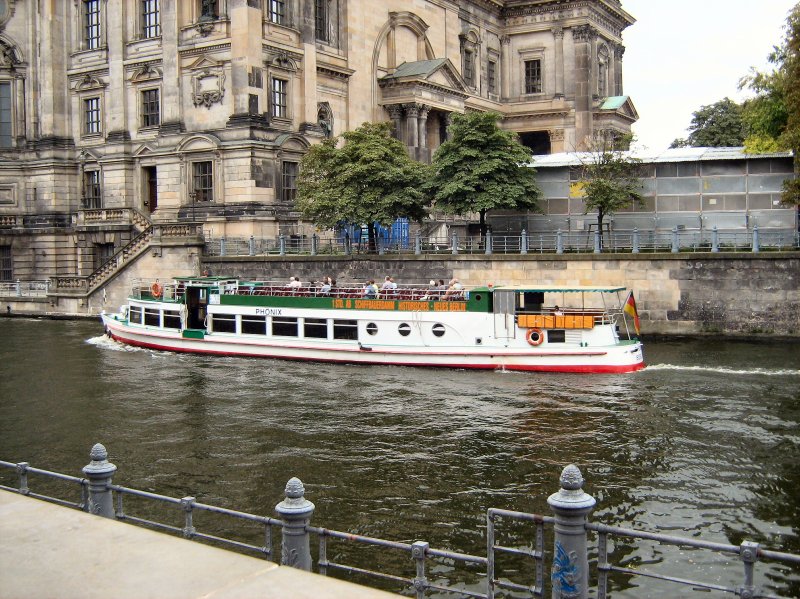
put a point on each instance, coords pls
(419, 552)
(558, 242)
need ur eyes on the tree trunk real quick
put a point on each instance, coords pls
(600, 216)
(371, 237)
(483, 224)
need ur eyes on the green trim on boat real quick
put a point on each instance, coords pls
(193, 334)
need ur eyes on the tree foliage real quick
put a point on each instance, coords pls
(364, 176)
(715, 125)
(610, 178)
(482, 167)
(772, 116)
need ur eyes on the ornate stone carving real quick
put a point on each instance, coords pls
(146, 72)
(558, 32)
(619, 51)
(556, 134)
(583, 33)
(90, 81)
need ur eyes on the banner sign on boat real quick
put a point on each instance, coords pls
(420, 306)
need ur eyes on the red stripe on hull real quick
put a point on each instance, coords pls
(574, 368)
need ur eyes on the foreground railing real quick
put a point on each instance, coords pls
(568, 528)
(558, 242)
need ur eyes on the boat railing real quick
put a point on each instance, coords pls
(155, 290)
(403, 292)
(564, 318)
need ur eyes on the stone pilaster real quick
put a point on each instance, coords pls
(171, 94)
(422, 137)
(505, 57)
(583, 93)
(558, 37)
(396, 114)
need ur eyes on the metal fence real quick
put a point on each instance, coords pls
(558, 242)
(568, 528)
(24, 288)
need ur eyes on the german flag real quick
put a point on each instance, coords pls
(630, 310)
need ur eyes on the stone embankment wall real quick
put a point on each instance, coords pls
(733, 294)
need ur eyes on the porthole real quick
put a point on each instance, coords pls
(478, 297)
(438, 329)
(372, 328)
(404, 329)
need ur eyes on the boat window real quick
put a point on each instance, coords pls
(152, 317)
(372, 328)
(172, 319)
(223, 323)
(316, 328)
(283, 326)
(345, 329)
(438, 329)
(557, 336)
(404, 329)
(254, 325)
(135, 315)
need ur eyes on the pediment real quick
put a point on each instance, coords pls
(620, 105)
(439, 72)
(198, 143)
(143, 151)
(204, 62)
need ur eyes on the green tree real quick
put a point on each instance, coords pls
(715, 125)
(482, 167)
(610, 178)
(364, 176)
(772, 116)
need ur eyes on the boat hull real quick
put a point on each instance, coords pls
(618, 358)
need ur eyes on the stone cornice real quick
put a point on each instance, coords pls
(335, 72)
(198, 50)
(411, 85)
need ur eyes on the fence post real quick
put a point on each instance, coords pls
(348, 248)
(418, 244)
(523, 242)
(282, 244)
(379, 242)
(675, 246)
(99, 472)
(418, 551)
(571, 506)
(19, 288)
(295, 511)
(597, 242)
(252, 246)
(454, 249)
(488, 249)
(635, 248)
(756, 247)
(748, 552)
(221, 246)
(714, 239)
(314, 244)
(559, 242)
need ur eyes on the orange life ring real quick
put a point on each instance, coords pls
(156, 289)
(534, 336)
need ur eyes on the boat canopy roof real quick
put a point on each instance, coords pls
(558, 288)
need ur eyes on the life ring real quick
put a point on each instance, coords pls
(156, 289)
(534, 336)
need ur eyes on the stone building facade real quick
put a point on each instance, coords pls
(118, 114)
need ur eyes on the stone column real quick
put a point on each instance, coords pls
(412, 142)
(171, 96)
(422, 137)
(619, 51)
(583, 92)
(117, 105)
(558, 35)
(556, 141)
(505, 57)
(54, 107)
(396, 114)
(571, 506)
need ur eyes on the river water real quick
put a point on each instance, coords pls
(704, 443)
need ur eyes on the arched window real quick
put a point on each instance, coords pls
(325, 118)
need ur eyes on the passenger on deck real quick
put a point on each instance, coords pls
(326, 286)
(431, 291)
(294, 283)
(455, 290)
(557, 311)
(389, 287)
(370, 290)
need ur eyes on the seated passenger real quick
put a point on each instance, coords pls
(455, 290)
(370, 290)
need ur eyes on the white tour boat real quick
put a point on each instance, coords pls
(530, 328)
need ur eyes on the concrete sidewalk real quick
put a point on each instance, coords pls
(51, 551)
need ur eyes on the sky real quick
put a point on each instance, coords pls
(684, 54)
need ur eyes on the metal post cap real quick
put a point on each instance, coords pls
(571, 495)
(295, 503)
(99, 463)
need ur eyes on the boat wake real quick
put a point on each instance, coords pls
(722, 370)
(106, 342)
